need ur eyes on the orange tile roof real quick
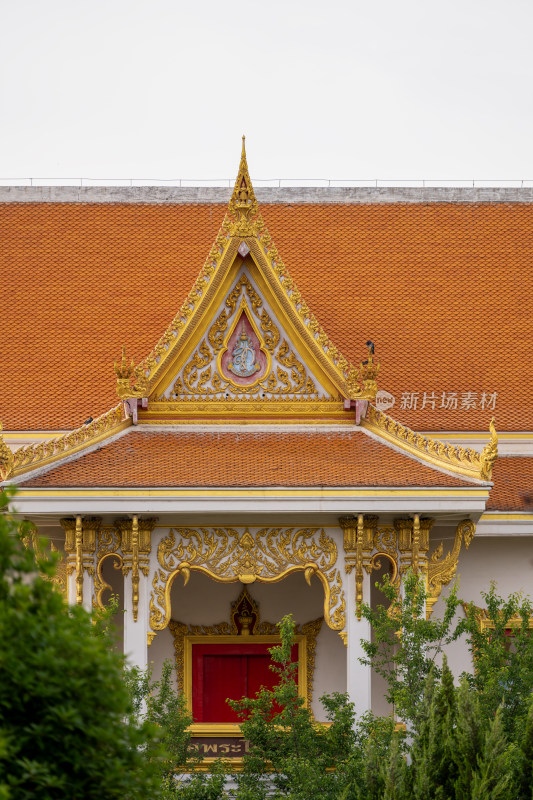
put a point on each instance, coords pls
(513, 485)
(220, 458)
(443, 289)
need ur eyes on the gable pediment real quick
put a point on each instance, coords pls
(244, 349)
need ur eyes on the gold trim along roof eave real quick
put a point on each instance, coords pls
(445, 492)
(198, 304)
(30, 458)
(453, 459)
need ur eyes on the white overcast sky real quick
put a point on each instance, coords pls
(393, 89)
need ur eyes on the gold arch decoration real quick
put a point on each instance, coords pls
(108, 547)
(309, 630)
(32, 541)
(228, 556)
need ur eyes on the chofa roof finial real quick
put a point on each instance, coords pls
(243, 204)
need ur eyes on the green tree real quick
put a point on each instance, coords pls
(290, 754)
(66, 716)
(434, 766)
(469, 737)
(405, 644)
(162, 705)
(502, 654)
(492, 779)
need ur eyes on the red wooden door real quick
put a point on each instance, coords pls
(228, 671)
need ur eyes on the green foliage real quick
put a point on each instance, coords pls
(293, 756)
(405, 644)
(158, 703)
(434, 768)
(469, 738)
(503, 665)
(66, 716)
(492, 777)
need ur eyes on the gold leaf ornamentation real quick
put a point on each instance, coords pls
(442, 569)
(31, 456)
(6, 458)
(489, 453)
(124, 373)
(216, 331)
(463, 460)
(229, 556)
(108, 547)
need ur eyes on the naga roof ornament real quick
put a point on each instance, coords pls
(124, 373)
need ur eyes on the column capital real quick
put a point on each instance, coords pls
(145, 527)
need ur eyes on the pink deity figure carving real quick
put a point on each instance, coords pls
(243, 361)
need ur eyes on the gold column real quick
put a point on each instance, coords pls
(135, 566)
(358, 546)
(79, 562)
(136, 546)
(80, 547)
(413, 543)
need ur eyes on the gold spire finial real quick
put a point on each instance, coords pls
(243, 204)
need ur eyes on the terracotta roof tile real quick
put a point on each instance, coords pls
(513, 485)
(186, 458)
(443, 289)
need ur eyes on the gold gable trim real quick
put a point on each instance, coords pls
(244, 226)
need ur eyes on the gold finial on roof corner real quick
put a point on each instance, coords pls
(124, 371)
(243, 203)
(361, 383)
(6, 458)
(489, 454)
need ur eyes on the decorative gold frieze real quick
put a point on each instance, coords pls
(441, 569)
(228, 556)
(203, 375)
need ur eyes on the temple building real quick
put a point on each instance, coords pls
(275, 430)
